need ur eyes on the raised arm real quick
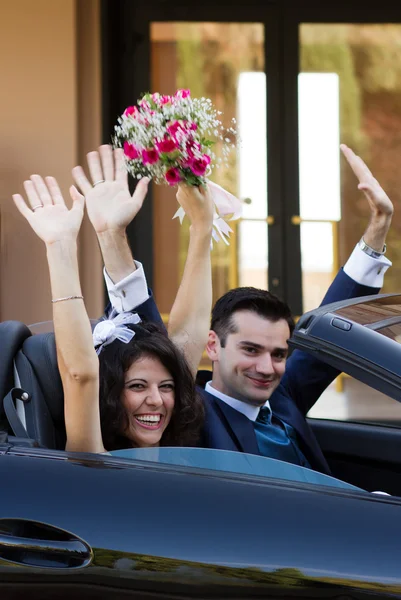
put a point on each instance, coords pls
(111, 208)
(381, 207)
(307, 377)
(190, 315)
(58, 227)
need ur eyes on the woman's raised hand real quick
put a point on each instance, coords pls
(108, 200)
(48, 215)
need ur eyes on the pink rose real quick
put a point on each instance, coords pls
(131, 110)
(183, 94)
(150, 156)
(167, 145)
(181, 126)
(189, 125)
(173, 176)
(130, 151)
(174, 127)
(198, 166)
(192, 147)
(165, 99)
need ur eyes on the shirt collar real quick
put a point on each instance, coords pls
(249, 410)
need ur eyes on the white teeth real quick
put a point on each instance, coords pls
(149, 419)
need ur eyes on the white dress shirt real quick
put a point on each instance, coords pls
(249, 410)
(365, 269)
(132, 291)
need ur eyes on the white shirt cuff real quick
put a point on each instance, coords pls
(130, 292)
(365, 269)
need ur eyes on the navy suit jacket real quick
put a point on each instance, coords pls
(148, 311)
(304, 380)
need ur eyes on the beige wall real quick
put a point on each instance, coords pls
(43, 61)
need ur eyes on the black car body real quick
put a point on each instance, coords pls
(193, 523)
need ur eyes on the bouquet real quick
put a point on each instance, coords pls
(170, 139)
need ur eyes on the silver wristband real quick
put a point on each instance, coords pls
(371, 251)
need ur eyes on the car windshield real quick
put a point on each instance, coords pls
(234, 462)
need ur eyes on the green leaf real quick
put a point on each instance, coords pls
(207, 143)
(192, 179)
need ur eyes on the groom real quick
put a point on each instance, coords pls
(257, 401)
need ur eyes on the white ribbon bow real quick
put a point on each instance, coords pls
(114, 328)
(228, 208)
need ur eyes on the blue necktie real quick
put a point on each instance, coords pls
(277, 440)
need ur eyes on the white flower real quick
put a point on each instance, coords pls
(103, 332)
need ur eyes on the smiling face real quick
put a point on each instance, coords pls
(252, 362)
(148, 399)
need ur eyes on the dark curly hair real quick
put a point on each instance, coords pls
(114, 361)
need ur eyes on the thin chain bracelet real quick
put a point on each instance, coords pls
(67, 298)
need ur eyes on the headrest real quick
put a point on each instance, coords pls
(12, 336)
(40, 350)
(202, 377)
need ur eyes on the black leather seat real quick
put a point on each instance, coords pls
(36, 372)
(12, 336)
(36, 365)
(202, 377)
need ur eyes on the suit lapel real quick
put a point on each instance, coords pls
(241, 427)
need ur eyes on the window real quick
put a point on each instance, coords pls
(350, 400)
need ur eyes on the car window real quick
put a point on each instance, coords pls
(392, 331)
(350, 400)
(234, 462)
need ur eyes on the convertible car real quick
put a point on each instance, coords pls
(194, 523)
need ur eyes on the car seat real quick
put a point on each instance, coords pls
(37, 373)
(30, 386)
(12, 336)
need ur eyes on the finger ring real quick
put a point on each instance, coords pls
(97, 182)
(37, 206)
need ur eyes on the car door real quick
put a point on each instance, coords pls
(98, 526)
(367, 455)
(360, 338)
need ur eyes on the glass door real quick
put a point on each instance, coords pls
(232, 58)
